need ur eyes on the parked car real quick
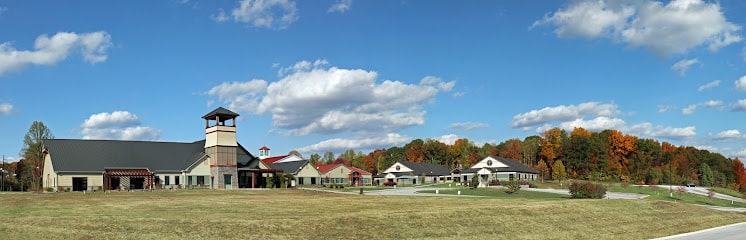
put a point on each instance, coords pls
(690, 185)
(389, 183)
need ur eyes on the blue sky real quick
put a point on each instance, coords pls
(321, 76)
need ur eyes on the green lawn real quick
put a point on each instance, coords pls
(297, 214)
(500, 193)
(658, 193)
(728, 191)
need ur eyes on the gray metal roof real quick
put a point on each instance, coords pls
(75, 155)
(513, 166)
(289, 167)
(220, 111)
(428, 169)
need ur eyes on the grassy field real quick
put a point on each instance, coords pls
(500, 193)
(727, 191)
(297, 214)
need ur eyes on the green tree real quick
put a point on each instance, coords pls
(705, 175)
(558, 171)
(33, 151)
(328, 157)
(315, 158)
(530, 150)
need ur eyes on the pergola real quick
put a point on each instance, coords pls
(125, 175)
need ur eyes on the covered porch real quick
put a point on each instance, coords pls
(256, 177)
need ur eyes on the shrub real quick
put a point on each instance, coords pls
(494, 182)
(513, 187)
(50, 189)
(474, 181)
(587, 190)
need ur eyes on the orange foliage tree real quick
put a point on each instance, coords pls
(740, 173)
(550, 145)
(620, 147)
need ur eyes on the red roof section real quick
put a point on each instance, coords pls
(362, 172)
(326, 167)
(264, 148)
(271, 160)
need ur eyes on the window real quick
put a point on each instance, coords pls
(200, 180)
(176, 180)
(300, 181)
(167, 179)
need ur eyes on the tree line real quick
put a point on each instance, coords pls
(608, 155)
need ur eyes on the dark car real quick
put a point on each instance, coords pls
(690, 185)
(389, 183)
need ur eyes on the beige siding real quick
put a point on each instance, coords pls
(94, 180)
(49, 177)
(308, 171)
(220, 136)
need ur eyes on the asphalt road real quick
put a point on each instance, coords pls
(729, 232)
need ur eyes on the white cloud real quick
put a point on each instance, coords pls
(449, 139)
(277, 14)
(6, 108)
(564, 113)
(241, 95)
(438, 82)
(2, 10)
(741, 83)
(647, 129)
(361, 143)
(467, 126)
(596, 124)
(709, 85)
(739, 106)
(713, 103)
(119, 125)
(314, 98)
(341, 6)
(740, 154)
(665, 108)
(728, 135)
(682, 66)
(664, 29)
(689, 110)
(49, 51)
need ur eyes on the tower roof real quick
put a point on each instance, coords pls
(264, 148)
(220, 111)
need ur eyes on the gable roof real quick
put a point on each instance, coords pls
(271, 160)
(220, 111)
(76, 155)
(428, 169)
(328, 167)
(512, 166)
(289, 167)
(361, 171)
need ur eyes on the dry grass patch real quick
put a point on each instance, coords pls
(295, 214)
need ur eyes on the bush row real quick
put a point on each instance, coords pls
(587, 190)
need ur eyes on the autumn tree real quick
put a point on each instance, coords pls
(543, 170)
(620, 147)
(550, 145)
(558, 171)
(414, 151)
(33, 151)
(740, 173)
(512, 149)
